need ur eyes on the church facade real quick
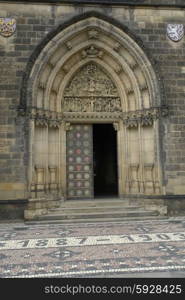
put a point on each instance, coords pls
(92, 104)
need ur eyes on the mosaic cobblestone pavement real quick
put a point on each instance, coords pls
(92, 250)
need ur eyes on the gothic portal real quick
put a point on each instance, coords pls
(92, 84)
(92, 107)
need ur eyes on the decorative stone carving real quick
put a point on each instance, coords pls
(118, 69)
(79, 116)
(93, 34)
(91, 104)
(129, 90)
(44, 117)
(54, 123)
(117, 46)
(133, 65)
(7, 26)
(91, 80)
(66, 68)
(92, 52)
(93, 97)
(95, 108)
(116, 126)
(175, 32)
(144, 117)
(91, 91)
(67, 126)
(68, 45)
(41, 122)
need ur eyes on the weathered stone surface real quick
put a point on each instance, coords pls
(146, 24)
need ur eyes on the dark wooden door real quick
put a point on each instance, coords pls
(80, 162)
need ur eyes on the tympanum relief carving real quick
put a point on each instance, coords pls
(91, 90)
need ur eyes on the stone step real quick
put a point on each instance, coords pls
(97, 203)
(106, 214)
(94, 209)
(96, 220)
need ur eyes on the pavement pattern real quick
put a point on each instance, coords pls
(153, 248)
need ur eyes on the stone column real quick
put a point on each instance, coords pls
(64, 127)
(118, 126)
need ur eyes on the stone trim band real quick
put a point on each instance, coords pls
(144, 117)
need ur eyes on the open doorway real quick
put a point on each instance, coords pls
(105, 160)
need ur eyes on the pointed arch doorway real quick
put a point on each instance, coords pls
(92, 73)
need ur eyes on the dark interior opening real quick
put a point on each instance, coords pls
(105, 160)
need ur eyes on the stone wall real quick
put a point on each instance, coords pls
(34, 22)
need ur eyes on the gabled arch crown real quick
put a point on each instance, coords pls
(96, 40)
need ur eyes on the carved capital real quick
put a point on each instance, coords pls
(67, 126)
(41, 122)
(116, 126)
(44, 117)
(144, 117)
(54, 123)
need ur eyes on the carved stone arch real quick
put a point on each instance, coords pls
(92, 40)
(68, 69)
(52, 40)
(135, 71)
(118, 64)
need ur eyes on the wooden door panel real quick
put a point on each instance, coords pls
(80, 162)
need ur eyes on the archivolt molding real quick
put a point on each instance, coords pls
(119, 70)
(110, 59)
(97, 40)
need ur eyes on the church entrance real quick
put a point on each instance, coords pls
(93, 80)
(91, 161)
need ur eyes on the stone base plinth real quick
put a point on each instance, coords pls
(40, 206)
